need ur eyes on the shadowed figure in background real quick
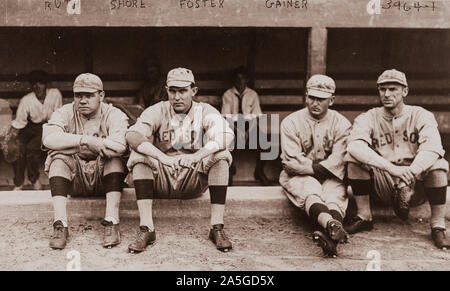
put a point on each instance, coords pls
(34, 109)
(153, 89)
(240, 101)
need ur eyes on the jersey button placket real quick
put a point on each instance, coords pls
(317, 141)
(394, 139)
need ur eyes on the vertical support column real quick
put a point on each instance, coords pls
(317, 51)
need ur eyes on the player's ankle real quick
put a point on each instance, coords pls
(365, 216)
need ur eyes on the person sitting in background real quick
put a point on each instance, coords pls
(244, 101)
(153, 89)
(34, 109)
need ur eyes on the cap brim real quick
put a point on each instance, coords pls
(319, 94)
(83, 89)
(391, 81)
(180, 84)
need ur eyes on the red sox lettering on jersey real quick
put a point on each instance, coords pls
(399, 138)
(173, 133)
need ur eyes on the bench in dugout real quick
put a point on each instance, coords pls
(352, 98)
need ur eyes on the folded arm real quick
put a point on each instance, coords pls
(75, 143)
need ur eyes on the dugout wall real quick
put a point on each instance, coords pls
(282, 44)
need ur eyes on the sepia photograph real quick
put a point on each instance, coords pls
(224, 135)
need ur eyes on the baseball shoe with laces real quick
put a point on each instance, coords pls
(111, 237)
(439, 238)
(143, 238)
(336, 231)
(357, 224)
(60, 236)
(326, 243)
(402, 197)
(218, 237)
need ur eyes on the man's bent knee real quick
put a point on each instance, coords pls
(357, 172)
(436, 178)
(113, 165)
(142, 171)
(218, 173)
(58, 168)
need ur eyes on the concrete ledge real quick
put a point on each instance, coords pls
(241, 202)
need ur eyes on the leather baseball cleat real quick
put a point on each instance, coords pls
(143, 238)
(336, 231)
(218, 237)
(326, 243)
(439, 238)
(60, 236)
(111, 237)
(357, 224)
(402, 197)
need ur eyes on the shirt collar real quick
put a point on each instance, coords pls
(35, 96)
(387, 115)
(181, 118)
(235, 91)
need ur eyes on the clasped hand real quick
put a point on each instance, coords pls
(95, 144)
(179, 161)
(404, 173)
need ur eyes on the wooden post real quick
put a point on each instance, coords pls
(317, 51)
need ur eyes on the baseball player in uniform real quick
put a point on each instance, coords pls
(86, 140)
(179, 149)
(313, 142)
(393, 150)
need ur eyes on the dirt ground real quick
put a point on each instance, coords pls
(258, 244)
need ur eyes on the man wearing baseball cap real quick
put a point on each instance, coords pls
(395, 151)
(180, 149)
(86, 140)
(313, 142)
